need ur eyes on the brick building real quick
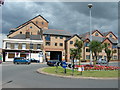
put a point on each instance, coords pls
(35, 37)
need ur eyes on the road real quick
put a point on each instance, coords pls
(25, 76)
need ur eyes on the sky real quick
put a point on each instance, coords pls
(72, 17)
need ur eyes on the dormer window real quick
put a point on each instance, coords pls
(96, 34)
(110, 35)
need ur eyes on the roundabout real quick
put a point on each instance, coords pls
(102, 75)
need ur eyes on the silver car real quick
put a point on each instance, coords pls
(101, 61)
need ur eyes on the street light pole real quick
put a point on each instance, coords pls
(90, 6)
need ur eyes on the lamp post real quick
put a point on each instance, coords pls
(90, 6)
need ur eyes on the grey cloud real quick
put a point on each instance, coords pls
(72, 17)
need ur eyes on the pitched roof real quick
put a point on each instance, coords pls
(106, 33)
(32, 19)
(23, 36)
(56, 32)
(113, 40)
(23, 26)
(88, 33)
(72, 37)
(101, 39)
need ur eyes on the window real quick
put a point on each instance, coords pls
(110, 35)
(47, 43)
(16, 46)
(86, 44)
(108, 44)
(61, 44)
(55, 44)
(42, 23)
(27, 34)
(36, 22)
(23, 46)
(105, 57)
(56, 37)
(30, 26)
(71, 42)
(38, 46)
(47, 37)
(96, 34)
(61, 37)
(87, 50)
(100, 57)
(87, 56)
(8, 45)
(31, 46)
(11, 55)
(31, 33)
(114, 57)
(20, 32)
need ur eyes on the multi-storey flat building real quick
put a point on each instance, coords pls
(107, 37)
(34, 37)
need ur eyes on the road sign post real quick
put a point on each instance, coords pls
(64, 65)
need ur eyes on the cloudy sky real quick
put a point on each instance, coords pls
(70, 16)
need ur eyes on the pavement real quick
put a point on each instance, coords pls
(25, 76)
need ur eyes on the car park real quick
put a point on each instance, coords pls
(34, 60)
(21, 60)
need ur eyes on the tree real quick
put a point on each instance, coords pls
(108, 52)
(78, 44)
(76, 52)
(95, 47)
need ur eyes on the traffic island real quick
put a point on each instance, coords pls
(59, 72)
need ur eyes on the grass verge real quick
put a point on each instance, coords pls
(103, 74)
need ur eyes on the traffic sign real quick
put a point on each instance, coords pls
(70, 65)
(64, 64)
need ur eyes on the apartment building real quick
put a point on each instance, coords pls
(53, 40)
(107, 37)
(54, 43)
(34, 37)
(69, 44)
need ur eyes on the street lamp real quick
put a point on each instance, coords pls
(90, 6)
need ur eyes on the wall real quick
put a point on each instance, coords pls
(70, 46)
(34, 30)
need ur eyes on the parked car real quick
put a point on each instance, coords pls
(21, 60)
(34, 60)
(52, 62)
(101, 61)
